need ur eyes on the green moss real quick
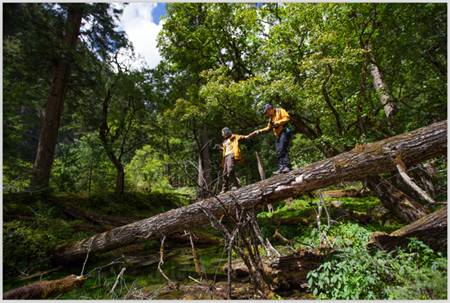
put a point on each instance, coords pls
(362, 204)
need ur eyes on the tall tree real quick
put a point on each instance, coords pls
(121, 119)
(100, 40)
(52, 117)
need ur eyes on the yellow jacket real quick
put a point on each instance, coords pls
(281, 118)
(234, 139)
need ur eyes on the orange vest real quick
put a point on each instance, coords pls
(234, 140)
(280, 114)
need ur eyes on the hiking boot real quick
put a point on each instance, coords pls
(277, 172)
(285, 170)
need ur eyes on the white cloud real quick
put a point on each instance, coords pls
(142, 31)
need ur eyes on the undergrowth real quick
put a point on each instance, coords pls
(35, 224)
(356, 272)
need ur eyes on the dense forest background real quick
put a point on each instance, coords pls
(77, 119)
(220, 64)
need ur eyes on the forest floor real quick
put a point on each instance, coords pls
(34, 225)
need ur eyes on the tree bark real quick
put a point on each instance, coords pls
(431, 229)
(380, 85)
(204, 164)
(45, 289)
(55, 103)
(261, 171)
(408, 180)
(107, 140)
(396, 201)
(422, 176)
(357, 164)
(120, 179)
(287, 271)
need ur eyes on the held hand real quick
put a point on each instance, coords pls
(254, 133)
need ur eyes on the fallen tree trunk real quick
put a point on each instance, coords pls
(400, 205)
(357, 164)
(431, 229)
(286, 272)
(45, 289)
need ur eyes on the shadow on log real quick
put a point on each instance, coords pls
(286, 272)
(431, 229)
(357, 164)
(45, 289)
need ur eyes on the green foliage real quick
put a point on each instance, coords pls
(146, 171)
(221, 62)
(21, 246)
(82, 166)
(357, 273)
(14, 178)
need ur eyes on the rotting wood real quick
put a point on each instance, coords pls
(45, 289)
(431, 229)
(408, 180)
(286, 272)
(414, 147)
(399, 204)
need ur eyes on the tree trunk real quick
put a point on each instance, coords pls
(380, 86)
(204, 164)
(396, 201)
(357, 164)
(422, 177)
(285, 272)
(120, 179)
(431, 229)
(61, 73)
(107, 140)
(261, 171)
(45, 289)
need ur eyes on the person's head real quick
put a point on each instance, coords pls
(226, 132)
(268, 110)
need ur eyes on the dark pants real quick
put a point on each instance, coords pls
(282, 146)
(229, 176)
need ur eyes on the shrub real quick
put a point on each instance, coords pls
(355, 273)
(25, 248)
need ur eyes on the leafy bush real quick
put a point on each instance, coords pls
(356, 273)
(25, 248)
(424, 278)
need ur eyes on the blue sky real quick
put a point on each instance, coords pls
(142, 22)
(158, 11)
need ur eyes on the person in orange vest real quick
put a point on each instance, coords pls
(279, 123)
(230, 154)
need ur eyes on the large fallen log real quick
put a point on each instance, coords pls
(431, 229)
(357, 164)
(402, 206)
(286, 272)
(45, 289)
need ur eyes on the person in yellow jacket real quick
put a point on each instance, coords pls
(278, 123)
(230, 154)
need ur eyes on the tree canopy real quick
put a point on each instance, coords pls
(220, 64)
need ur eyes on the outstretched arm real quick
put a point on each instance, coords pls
(265, 129)
(252, 134)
